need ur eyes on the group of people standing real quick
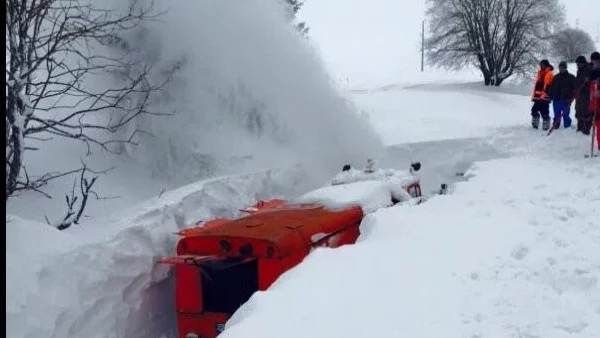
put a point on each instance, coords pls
(564, 88)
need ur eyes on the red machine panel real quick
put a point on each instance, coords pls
(219, 267)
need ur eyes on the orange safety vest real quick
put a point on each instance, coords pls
(542, 82)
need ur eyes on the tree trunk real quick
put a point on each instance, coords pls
(499, 81)
(487, 81)
(14, 142)
(487, 76)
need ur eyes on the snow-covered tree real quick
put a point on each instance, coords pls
(569, 43)
(499, 37)
(57, 54)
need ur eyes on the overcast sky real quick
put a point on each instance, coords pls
(378, 41)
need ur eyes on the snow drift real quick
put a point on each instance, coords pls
(369, 190)
(514, 252)
(102, 280)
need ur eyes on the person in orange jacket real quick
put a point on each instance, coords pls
(540, 98)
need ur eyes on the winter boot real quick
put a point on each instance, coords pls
(567, 121)
(535, 122)
(556, 124)
(586, 127)
(546, 124)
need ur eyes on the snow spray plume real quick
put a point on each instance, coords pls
(248, 93)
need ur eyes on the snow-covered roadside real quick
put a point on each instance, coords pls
(101, 280)
(514, 252)
(427, 112)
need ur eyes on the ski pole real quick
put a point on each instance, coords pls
(555, 123)
(594, 126)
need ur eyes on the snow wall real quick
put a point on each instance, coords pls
(102, 280)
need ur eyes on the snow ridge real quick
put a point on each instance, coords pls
(102, 280)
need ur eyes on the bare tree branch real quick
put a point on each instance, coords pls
(499, 37)
(569, 43)
(28, 183)
(58, 51)
(75, 211)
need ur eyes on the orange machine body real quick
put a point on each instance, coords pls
(219, 266)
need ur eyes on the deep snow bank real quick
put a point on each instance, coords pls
(514, 252)
(370, 190)
(101, 280)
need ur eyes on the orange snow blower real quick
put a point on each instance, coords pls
(219, 267)
(221, 264)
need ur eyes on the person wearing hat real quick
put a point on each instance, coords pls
(582, 101)
(540, 98)
(562, 92)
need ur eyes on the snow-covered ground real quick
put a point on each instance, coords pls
(101, 279)
(514, 251)
(427, 112)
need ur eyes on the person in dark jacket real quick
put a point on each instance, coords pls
(562, 93)
(540, 98)
(582, 103)
(594, 80)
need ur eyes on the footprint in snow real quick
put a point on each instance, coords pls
(572, 329)
(519, 252)
(560, 243)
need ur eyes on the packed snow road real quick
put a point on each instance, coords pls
(443, 162)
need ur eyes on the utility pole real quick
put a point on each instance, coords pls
(422, 46)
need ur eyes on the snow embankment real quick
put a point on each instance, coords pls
(369, 195)
(101, 280)
(514, 252)
(369, 190)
